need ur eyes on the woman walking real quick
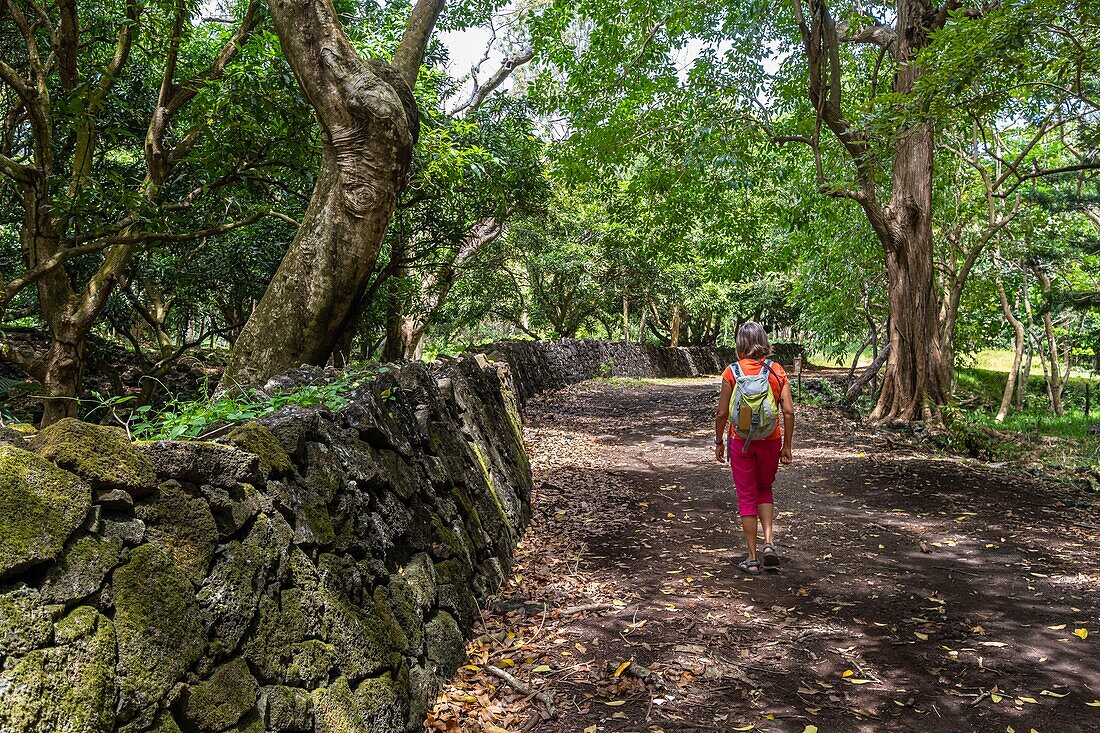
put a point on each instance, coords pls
(755, 390)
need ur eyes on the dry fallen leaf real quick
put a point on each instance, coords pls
(1083, 633)
(615, 703)
(919, 635)
(810, 729)
(847, 673)
(1048, 693)
(857, 681)
(622, 668)
(1094, 704)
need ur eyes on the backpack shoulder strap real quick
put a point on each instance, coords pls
(735, 368)
(766, 367)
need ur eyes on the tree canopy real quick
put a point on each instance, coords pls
(907, 179)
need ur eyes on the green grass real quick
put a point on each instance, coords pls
(1034, 433)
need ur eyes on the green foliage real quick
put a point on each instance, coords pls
(180, 418)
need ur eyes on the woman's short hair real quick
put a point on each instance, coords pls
(752, 341)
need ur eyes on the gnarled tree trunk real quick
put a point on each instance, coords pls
(917, 375)
(917, 378)
(369, 125)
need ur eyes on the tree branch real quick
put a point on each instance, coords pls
(882, 36)
(16, 171)
(12, 288)
(481, 93)
(414, 41)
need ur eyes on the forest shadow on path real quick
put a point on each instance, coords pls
(917, 592)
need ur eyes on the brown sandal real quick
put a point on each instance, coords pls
(752, 567)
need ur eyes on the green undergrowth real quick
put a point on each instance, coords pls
(1033, 434)
(180, 418)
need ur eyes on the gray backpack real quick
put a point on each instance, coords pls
(753, 406)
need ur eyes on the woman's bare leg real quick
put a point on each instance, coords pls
(748, 526)
(767, 517)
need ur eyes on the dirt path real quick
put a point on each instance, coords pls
(916, 593)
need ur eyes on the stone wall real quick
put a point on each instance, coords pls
(539, 366)
(311, 571)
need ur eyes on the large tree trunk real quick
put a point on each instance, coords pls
(917, 375)
(369, 125)
(917, 379)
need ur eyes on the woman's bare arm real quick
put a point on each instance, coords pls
(721, 420)
(787, 405)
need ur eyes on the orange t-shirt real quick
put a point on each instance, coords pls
(776, 375)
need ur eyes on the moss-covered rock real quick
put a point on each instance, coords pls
(68, 688)
(201, 462)
(258, 440)
(335, 709)
(101, 455)
(454, 590)
(289, 710)
(367, 637)
(420, 576)
(25, 622)
(81, 569)
(165, 723)
(280, 624)
(384, 703)
(40, 506)
(222, 700)
(409, 616)
(314, 524)
(445, 643)
(185, 527)
(12, 437)
(242, 572)
(159, 626)
(311, 663)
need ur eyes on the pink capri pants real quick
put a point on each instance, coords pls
(754, 473)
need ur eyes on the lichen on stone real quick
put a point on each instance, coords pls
(243, 570)
(335, 709)
(383, 702)
(222, 700)
(25, 622)
(82, 568)
(445, 645)
(184, 526)
(40, 506)
(68, 688)
(101, 455)
(258, 440)
(159, 627)
(289, 710)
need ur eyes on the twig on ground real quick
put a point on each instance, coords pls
(586, 608)
(524, 688)
(979, 698)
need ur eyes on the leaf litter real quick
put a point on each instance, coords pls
(918, 592)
